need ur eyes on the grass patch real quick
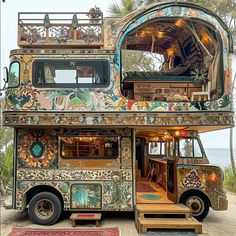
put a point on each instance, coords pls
(229, 180)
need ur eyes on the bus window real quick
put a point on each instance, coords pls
(89, 147)
(197, 150)
(70, 73)
(156, 148)
(189, 147)
(14, 75)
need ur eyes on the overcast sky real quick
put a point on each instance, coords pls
(10, 9)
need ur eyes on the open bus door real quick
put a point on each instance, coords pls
(171, 170)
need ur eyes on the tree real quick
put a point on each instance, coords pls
(6, 137)
(141, 61)
(122, 9)
(6, 165)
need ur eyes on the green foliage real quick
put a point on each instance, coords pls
(6, 136)
(122, 8)
(229, 180)
(140, 61)
(13, 79)
(6, 165)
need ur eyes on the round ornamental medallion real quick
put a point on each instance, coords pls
(36, 149)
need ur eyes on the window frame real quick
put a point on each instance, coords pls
(88, 157)
(199, 144)
(9, 75)
(71, 85)
(162, 147)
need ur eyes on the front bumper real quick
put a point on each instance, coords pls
(223, 203)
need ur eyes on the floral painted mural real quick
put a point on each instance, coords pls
(27, 97)
(117, 195)
(86, 196)
(207, 179)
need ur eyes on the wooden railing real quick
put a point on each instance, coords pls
(77, 29)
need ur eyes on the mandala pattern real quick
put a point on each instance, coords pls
(49, 154)
(196, 177)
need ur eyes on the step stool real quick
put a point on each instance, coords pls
(85, 216)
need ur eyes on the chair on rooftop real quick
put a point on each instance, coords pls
(205, 94)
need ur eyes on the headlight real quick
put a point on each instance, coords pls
(213, 177)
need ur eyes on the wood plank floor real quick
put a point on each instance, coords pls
(160, 196)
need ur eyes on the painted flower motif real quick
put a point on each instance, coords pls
(192, 180)
(200, 76)
(25, 156)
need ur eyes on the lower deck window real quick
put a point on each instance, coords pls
(156, 148)
(90, 147)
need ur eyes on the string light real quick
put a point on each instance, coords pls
(180, 22)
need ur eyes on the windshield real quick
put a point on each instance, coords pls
(189, 147)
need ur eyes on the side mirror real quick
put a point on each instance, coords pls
(5, 75)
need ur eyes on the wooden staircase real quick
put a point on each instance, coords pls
(155, 216)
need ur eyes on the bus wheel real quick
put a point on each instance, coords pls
(198, 204)
(45, 208)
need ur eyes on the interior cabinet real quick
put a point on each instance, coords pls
(163, 91)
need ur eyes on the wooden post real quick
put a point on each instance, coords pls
(47, 35)
(75, 34)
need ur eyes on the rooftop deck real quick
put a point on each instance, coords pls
(73, 29)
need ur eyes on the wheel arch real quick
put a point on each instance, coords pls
(191, 192)
(38, 189)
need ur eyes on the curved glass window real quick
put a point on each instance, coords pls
(14, 74)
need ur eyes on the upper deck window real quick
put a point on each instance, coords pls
(71, 73)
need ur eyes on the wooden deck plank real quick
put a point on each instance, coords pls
(171, 223)
(164, 208)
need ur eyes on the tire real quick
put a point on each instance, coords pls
(45, 208)
(198, 204)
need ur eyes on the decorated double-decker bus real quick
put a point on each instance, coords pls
(107, 112)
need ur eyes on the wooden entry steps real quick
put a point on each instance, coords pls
(169, 223)
(161, 211)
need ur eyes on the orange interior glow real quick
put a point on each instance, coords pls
(177, 133)
(204, 37)
(142, 34)
(160, 34)
(179, 22)
(170, 52)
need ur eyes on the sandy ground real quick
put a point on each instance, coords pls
(216, 224)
